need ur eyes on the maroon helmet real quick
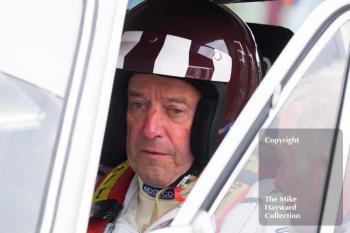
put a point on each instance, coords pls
(197, 41)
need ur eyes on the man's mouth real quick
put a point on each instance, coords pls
(154, 153)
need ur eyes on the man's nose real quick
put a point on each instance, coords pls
(153, 126)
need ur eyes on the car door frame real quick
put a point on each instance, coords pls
(73, 172)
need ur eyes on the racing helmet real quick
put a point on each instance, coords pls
(197, 41)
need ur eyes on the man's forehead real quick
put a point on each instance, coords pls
(141, 84)
(155, 78)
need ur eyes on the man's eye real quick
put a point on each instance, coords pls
(134, 106)
(138, 105)
(176, 111)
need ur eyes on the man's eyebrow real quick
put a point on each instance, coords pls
(179, 100)
(134, 93)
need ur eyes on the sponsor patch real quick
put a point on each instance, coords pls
(167, 194)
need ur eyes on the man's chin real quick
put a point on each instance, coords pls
(158, 180)
(159, 175)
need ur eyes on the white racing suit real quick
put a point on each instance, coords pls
(140, 207)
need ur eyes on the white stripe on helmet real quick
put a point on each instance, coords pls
(173, 58)
(129, 40)
(222, 66)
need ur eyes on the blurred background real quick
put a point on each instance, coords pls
(285, 13)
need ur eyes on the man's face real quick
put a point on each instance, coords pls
(159, 119)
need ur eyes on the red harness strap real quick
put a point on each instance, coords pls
(109, 198)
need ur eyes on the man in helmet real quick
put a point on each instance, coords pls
(185, 70)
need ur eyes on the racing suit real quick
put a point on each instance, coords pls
(144, 210)
(141, 207)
